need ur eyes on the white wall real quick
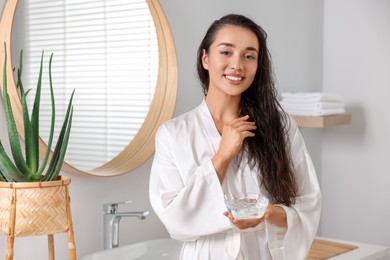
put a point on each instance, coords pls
(355, 159)
(349, 159)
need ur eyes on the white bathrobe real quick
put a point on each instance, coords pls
(189, 200)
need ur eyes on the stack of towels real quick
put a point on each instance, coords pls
(312, 103)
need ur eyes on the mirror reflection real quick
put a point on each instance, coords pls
(107, 51)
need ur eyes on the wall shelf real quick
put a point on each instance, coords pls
(323, 121)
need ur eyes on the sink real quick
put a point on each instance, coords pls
(157, 249)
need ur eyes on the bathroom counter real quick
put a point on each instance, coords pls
(363, 251)
(169, 249)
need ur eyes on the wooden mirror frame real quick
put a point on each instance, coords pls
(161, 108)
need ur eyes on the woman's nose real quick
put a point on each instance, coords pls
(236, 63)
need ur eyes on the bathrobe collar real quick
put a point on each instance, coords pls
(209, 125)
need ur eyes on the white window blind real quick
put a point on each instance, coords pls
(105, 49)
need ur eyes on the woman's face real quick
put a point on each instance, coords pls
(231, 60)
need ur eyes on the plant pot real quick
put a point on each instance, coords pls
(36, 208)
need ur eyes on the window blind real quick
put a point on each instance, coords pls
(107, 51)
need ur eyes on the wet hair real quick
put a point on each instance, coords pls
(268, 150)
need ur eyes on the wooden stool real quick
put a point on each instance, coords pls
(41, 208)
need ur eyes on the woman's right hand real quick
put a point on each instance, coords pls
(233, 135)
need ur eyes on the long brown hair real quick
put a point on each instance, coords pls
(268, 150)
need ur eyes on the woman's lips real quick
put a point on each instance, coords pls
(233, 78)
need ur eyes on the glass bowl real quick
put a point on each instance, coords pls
(246, 205)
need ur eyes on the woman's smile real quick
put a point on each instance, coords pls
(235, 79)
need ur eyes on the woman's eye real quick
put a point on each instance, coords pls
(226, 53)
(250, 57)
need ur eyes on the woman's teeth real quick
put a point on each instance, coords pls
(233, 78)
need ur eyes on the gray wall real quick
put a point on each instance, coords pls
(355, 158)
(299, 32)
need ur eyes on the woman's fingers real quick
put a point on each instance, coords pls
(243, 223)
(233, 135)
(242, 124)
(241, 120)
(228, 215)
(243, 127)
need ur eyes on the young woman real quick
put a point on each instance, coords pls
(237, 140)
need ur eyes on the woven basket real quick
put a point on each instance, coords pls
(36, 208)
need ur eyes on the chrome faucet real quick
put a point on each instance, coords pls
(111, 220)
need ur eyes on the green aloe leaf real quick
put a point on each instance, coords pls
(11, 126)
(35, 114)
(8, 169)
(32, 158)
(53, 112)
(62, 143)
(62, 151)
(2, 178)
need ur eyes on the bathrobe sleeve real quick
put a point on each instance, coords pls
(184, 189)
(303, 217)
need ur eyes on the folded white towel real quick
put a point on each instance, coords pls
(315, 112)
(311, 105)
(311, 97)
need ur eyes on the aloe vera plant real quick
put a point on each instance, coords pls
(29, 168)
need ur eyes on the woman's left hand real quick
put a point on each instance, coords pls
(274, 214)
(245, 223)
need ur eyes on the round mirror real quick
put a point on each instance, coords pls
(117, 56)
